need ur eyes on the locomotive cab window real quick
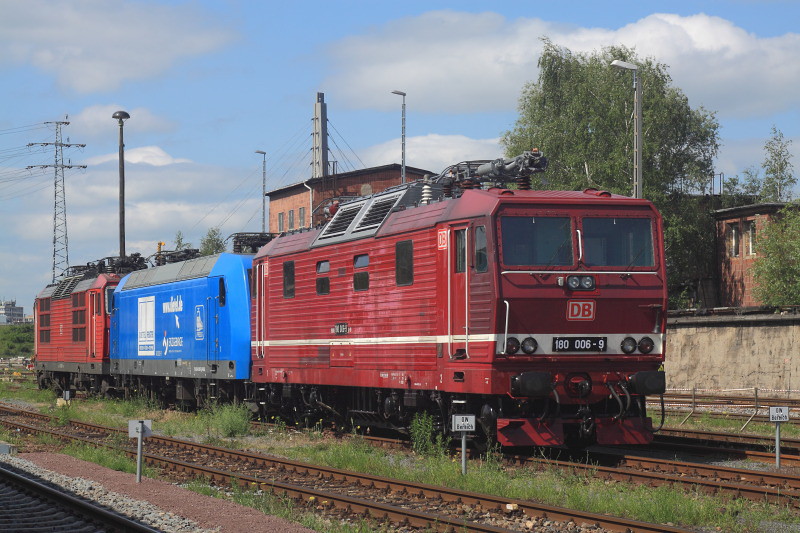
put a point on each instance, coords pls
(536, 241)
(323, 282)
(625, 242)
(360, 278)
(404, 263)
(288, 279)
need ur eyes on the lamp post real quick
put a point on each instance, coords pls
(637, 125)
(121, 117)
(403, 137)
(263, 191)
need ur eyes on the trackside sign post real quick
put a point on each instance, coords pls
(139, 429)
(778, 415)
(464, 424)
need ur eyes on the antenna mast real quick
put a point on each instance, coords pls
(60, 240)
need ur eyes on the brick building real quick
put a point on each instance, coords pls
(302, 205)
(737, 229)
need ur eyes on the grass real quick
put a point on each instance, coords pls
(732, 425)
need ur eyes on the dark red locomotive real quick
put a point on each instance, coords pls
(541, 312)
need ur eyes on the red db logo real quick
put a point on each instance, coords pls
(580, 310)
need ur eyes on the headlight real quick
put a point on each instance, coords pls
(529, 345)
(646, 345)
(628, 345)
(580, 283)
(512, 345)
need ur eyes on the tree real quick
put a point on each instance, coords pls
(212, 243)
(579, 113)
(179, 242)
(776, 271)
(779, 175)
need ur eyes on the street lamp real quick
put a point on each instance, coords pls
(263, 191)
(403, 137)
(637, 125)
(121, 117)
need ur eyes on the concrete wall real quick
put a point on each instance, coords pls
(734, 352)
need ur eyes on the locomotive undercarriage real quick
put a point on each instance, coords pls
(371, 410)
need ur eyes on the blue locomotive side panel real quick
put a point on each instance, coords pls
(187, 319)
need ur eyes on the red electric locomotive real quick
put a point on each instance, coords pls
(72, 326)
(541, 312)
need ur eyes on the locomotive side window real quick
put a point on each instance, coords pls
(461, 250)
(222, 293)
(44, 336)
(323, 282)
(109, 299)
(626, 242)
(44, 305)
(539, 241)
(288, 279)
(481, 255)
(361, 279)
(404, 263)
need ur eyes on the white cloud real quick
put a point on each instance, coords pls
(461, 62)
(433, 152)
(95, 122)
(150, 155)
(96, 45)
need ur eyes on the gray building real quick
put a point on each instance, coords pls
(10, 313)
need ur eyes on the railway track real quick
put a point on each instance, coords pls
(340, 492)
(31, 506)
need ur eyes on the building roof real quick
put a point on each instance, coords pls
(351, 174)
(748, 210)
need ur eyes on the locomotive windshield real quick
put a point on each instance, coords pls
(626, 242)
(536, 241)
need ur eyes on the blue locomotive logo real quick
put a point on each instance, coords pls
(199, 328)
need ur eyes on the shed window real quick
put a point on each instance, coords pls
(288, 279)
(733, 239)
(404, 263)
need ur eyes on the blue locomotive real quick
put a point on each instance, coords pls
(183, 329)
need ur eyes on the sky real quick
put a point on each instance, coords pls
(207, 83)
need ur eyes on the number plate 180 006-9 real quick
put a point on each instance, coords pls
(580, 344)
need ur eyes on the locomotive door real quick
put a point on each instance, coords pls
(458, 284)
(212, 320)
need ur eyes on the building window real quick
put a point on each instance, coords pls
(323, 282)
(301, 216)
(288, 279)
(404, 263)
(733, 239)
(291, 219)
(750, 237)
(361, 279)
(281, 228)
